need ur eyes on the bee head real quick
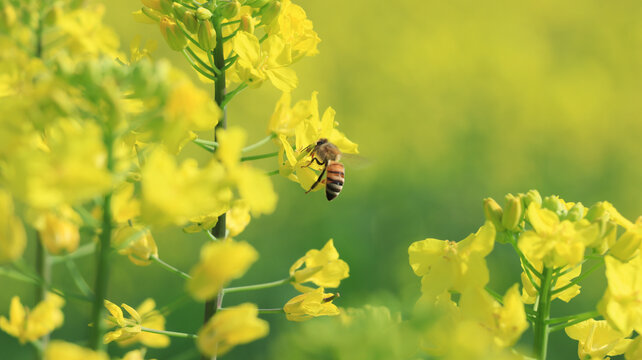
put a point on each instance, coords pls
(322, 141)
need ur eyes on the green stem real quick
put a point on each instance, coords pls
(198, 59)
(271, 311)
(494, 294)
(170, 268)
(103, 252)
(167, 309)
(259, 143)
(257, 286)
(83, 250)
(79, 280)
(557, 320)
(258, 157)
(579, 278)
(212, 144)
(541, 327)
(23, 274)
(272, 173)
(230, 23)
(579, 318)
(231, 94)
(219, 230)
(169, 333)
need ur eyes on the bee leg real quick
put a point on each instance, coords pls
(318, 180)
(313, 160)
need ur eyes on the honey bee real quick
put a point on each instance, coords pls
(328, 155)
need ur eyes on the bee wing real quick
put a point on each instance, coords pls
(355, 161)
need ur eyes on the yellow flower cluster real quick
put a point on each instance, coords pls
(31, 325)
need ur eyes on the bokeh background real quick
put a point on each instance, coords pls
(450, 102)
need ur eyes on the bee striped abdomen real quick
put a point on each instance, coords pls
(335, 178)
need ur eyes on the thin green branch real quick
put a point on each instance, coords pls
(231, 59)
(229, 96)
(258, 157)
(259, 143)
(579, 278)
(525, 260)
(212, 144)
(578, 319)
(201, 62)
(564, 319)
(231, 36)
(170, 268)
(78, 279)
(21, 273)
(197, 68)
(495, 295)
(257, 286)
(271, 311)
(84, 250)
(272, 173)
(169, 308)
(205, 147)
(188, 35)
(230, 23)
(169, 333)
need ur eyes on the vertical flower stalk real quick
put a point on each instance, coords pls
(541, 326)
(103, 251)
(219, 230)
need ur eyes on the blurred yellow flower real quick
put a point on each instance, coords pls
(59, 229)
(174, 194)
(628, 244)
(311, 304)
(597, 339)
(124, 205)
(31, 325)
(151, 319)
(634, 350)
(13, 237)
(60, 350)
(238, 217)
(321, 267)
(138, 242)
(135, 355)
(556, 243)
(220, 262)
(232, 326)
(447, 265)
(125, 327)
(258, 62)
(621, 304)
(293, 26)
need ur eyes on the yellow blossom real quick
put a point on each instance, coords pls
(628, 244)
(505, 322)
(293, 26)
(448, 265)
(13, 238)
(258, 62)
(233, 326)
(634, 350)
(322, 267)
(556, 243)
(124, 205)
(238, 217)
(151, 319)
(311, 304)
(60, 350)
(136, 242)
(59, 229)
(174, 194)
(621, 304)
(31, 325)
(597, 339)
(135, 355)
(125, 327)
(220, 262)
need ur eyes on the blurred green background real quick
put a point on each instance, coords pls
(450, 102)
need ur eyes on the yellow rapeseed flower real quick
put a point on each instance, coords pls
(556, 243)
(151, 319)
(597, 339)
(233, 326)
(13, 238)
(311, 304)
(125, 327)
(296, 30)
(321, 267)
(220, 262)
(61, 350)
(448, 265)
(59, 229)
(529, 293)
(238, 217)
(621, 304)
(138, 242)
(31, 325)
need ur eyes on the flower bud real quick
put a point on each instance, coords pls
(514, 211)
(493, 213)
(172, 34)
(206, 35)
(179, 10)
(270, 11)
(626, 246)
(8, 16)
(229, 8)
(203, 14)
(58, 234)
(137, 243)
(596, 212)
(152, 4)
(576, 213)
(554, 204)
(247, 24)
(190, 21)
(166, 6)
(532, 196)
